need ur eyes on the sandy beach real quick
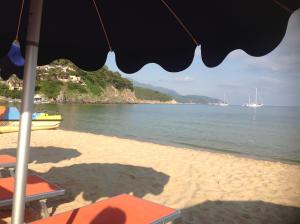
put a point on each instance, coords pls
(207, 187)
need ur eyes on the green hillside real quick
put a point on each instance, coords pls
(62, 81)
(90, 83)
(148, 94)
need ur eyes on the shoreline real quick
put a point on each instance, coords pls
(100, 102)
(190, 147)
(195, 148)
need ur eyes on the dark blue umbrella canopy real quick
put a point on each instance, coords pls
(165, 32)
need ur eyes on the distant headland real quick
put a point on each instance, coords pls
(63, 82)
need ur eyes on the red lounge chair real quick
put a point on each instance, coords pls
(38, 189)
(8, 162)
(122, 209)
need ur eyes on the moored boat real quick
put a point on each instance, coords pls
(254, 104)
(10, 120)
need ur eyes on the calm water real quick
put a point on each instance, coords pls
(267, 133)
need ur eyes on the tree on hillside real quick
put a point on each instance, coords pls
(49, 88)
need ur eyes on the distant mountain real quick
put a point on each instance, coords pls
(149, 94)
(176, 96)
(196, 99)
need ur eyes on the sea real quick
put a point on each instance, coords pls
(268, 133)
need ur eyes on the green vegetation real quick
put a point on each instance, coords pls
(14, 94)
(98, 80)
(178, 97)
(62, 78)
(195, 99)
(75, 87)
(50, 88)
(148, 94)
(64, 62)
(91, 83)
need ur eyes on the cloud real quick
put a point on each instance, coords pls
(285, 59)
(226, 86)
(282, 64)
(184, 78)
(277, 62)
(266, 80)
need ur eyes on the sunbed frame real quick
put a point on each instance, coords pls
(8, 162)
(134, 210)
(39, 195)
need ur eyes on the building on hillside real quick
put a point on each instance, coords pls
(37, 98)
(75, 79)
(14, 83)
(63, 68)
(60, 74)
(71, 78)
(62, 78)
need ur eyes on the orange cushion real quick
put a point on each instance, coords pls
(2, 111)
(6, 159)
(122, 209)
(35, 185)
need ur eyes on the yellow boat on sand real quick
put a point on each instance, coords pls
(10, 116)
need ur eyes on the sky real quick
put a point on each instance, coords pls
(276, 75)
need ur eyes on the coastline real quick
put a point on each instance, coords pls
(104, 102)
(183, 146)
(205, 186)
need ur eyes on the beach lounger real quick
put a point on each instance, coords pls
(8, 162)
(38, 189)
(122, 209)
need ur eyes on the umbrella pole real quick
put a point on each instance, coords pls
(33, 33)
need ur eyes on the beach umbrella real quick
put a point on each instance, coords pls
(165, 32)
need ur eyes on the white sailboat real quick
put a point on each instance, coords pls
(254, 104)
(249, 100)
(224, 103)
